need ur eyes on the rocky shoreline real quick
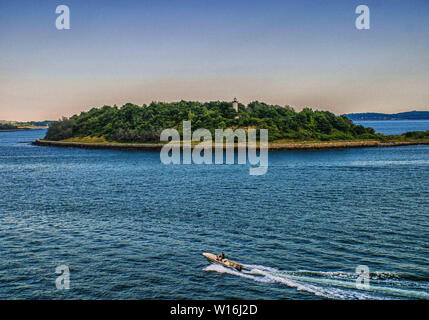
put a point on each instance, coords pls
(271, 146)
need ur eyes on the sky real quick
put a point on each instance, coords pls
(299, 53)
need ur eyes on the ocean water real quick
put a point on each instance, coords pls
(396, 127)
(129, 227)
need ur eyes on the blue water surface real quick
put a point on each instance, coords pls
(395, 126)
(129, 227)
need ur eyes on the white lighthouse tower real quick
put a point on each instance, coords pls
(235, 104)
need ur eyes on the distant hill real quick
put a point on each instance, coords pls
(15, 125)
(7, 126)
(44, 123)
(411, 115)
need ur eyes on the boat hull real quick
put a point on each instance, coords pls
(224, 262)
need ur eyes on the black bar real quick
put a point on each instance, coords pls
(211, 309)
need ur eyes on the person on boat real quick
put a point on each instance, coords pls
(220, 257)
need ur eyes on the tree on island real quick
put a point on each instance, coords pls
(132, 123)
(7, 126)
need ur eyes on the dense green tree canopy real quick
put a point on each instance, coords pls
(7, 126)
(132, 123)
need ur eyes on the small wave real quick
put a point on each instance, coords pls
(388, 163)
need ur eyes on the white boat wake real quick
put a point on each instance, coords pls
(333, 285)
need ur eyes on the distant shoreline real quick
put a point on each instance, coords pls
(374, 116)
(23, 129)
(271, 146)
(391, 120)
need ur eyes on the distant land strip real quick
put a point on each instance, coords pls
(22, 129)
(411, 115)
(271, 146)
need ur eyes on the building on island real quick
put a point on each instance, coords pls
(235, 104)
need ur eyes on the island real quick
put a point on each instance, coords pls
(139, 127)
(411, 115)
(18, 126)
(7, 127)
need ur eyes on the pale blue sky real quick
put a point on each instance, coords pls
(302, 53)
